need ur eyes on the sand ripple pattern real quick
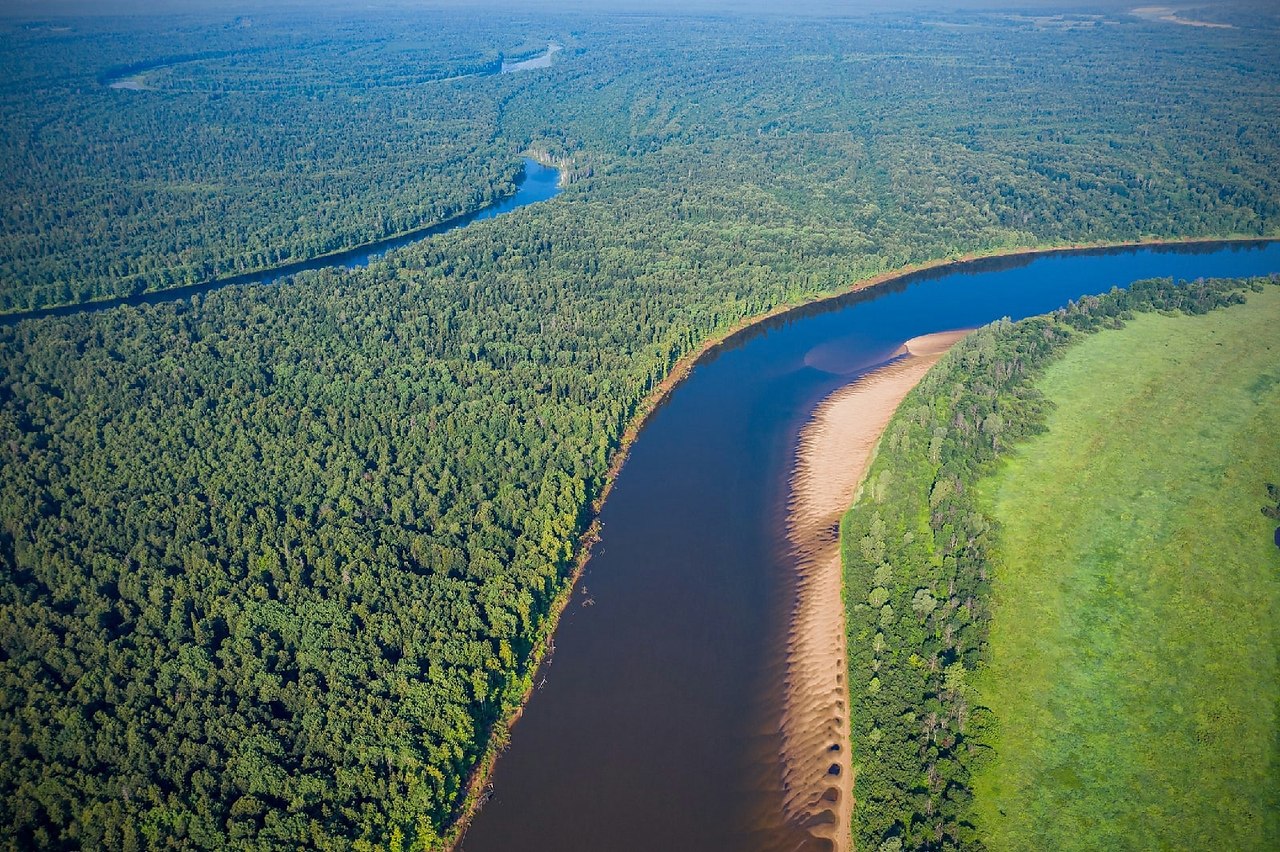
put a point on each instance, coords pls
(835, 450)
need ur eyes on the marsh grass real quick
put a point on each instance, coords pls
(1133, 649)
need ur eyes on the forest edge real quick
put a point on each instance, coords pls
(500, 734)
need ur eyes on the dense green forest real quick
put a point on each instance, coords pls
(250, 146)
(878, 140)
(275, 557)
(918, 564)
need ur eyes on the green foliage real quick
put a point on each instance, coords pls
(278, 598)
(275, 558)
(249, 147)
(841, 150)
(920, 536)
(1133, 644)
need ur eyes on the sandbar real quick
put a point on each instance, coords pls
(1170, 16)
(835, 450)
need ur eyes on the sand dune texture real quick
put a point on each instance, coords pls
(835, 450)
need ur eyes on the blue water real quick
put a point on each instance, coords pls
(537, 183)
(657, 726)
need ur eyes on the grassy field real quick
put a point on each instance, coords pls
(1134, 644)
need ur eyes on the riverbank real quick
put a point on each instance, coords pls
(530, 188)
(836, 447)
(650, 404)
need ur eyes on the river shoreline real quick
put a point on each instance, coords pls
(500, 733)
(347, 258)
(835, 449)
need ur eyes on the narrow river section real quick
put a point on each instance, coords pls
(536, 183)
(542, 60)
(659, 725)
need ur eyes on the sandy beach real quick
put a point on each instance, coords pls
(1171, 16)
(836, 447)
(481, 775)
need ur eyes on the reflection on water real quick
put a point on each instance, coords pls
(658, 724)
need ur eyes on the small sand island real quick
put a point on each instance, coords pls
(836, 448)
(542, 60)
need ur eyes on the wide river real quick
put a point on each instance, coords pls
(657, 725)
(536, 183)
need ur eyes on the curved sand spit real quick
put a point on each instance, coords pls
(835, 450)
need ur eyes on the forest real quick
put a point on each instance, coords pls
(246, 148)
(276, 558)
(918, 563)
(877, 141)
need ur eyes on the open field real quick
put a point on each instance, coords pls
(1137, 596)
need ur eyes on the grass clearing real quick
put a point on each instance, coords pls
(1133, 648)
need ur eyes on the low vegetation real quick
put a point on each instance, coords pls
(923, 559)
(275, 558)
(1136, 610)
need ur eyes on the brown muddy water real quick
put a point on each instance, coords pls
(658, 725)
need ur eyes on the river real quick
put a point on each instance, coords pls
(542, 60)
(657, 726)
(133, 78)
(536, 183)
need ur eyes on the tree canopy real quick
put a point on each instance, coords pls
(276, 558)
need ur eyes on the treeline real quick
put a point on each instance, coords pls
(916, 554)
(260, 593)
(878, 141)
(274, 558)
(248, 147)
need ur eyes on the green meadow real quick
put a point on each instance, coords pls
(1136, 618)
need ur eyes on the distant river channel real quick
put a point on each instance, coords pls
(657, 725)
(536, 183)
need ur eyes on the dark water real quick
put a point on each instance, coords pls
(536, 183)
(656, 729)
